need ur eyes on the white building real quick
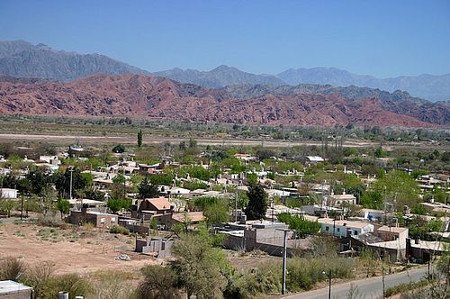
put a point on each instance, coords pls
(8, 193)
(344, 228)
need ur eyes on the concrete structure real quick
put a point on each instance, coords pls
(393, 233)
(265, 236)
(337, 200)
(314, 159)
(344, 228)
(8, 193)
(13, 290)
(371, 214)
(98, 219)
(157, 247)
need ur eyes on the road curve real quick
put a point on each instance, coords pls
(369, 288)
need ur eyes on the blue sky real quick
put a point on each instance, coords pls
(381, 38)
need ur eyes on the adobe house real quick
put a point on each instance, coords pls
(159, 207)
(98, 219)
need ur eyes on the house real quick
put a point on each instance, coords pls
(8, 193)
(337, 200)
(393, 233)
(371, 214)
(190, 217)
(344, 228)
(159, 205)
(98, 219)
(157, 247)
(246, 157)
(314, 159)
(13, 290)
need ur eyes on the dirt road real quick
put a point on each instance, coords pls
(131, 139)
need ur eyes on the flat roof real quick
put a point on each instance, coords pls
(357, 224)
(9, 286)
(393, 229)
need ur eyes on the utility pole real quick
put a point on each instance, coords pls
(329, 284)
(71, 182)
(236, 206)
(21, 209)
(283, 288)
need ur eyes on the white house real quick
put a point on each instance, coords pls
(8, 193)
(344, 228)
(337, 200)
(314, 159)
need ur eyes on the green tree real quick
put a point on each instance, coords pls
(39, 180)
(119, 148)
(159, 282)
(147, 190)
(398, 189)
(200, 267)
(63, 206)
(6, 206)
(116, 204)
(139, 138)
(257, 202)
(301, 226)
(80, 181)
(217, 213)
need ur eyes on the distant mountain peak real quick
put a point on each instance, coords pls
(23, 59)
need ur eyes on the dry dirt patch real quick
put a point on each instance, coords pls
(71, 250)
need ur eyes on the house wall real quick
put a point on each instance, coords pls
(161, 247)
(344, 231)
(8, 193)
(22, 294)
(99, 220)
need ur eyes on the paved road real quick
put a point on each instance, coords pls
(370, 288)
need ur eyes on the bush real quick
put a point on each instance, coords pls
(405, 287)
(74, 284)
(113, 284)
(118, 229)
(11, 268)
(159, 282)
(303, 273)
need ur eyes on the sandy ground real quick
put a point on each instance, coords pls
(131, 139)
(71, 250)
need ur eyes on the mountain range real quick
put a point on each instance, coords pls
(23, 59)
(161, 98)
(35, 79)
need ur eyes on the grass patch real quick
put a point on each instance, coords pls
(117, 229)
(406, 287)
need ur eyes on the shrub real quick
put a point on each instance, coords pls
(74, 284)
(118, 229)
(159, 282)
(11, 268)
(112, 284)
(304, 273)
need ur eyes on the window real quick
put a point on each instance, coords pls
(338, 229)
(163, 245)
(327, 228)
(355, 232)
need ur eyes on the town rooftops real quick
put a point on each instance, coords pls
(192, 216)
(397, 230)
(161, 203)
(315, 158)
(354, 224)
